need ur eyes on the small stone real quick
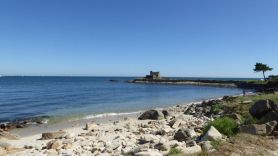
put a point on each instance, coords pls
(162, 147)
(191, 133)
(206, 146)
(28, 147)
(270, 126)
(53, 135)
(55, 144)
(149, 153)
(67, 146)
(175, 123)
(91, 127)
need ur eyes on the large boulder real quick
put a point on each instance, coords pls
(53, 135)
(262, 107)
(212, 135)
(270, 116)
(152, 115)
(254, 129)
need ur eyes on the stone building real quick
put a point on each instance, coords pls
(153, 75)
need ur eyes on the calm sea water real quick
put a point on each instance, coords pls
(22, 97)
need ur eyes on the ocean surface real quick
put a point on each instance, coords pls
(25, 97)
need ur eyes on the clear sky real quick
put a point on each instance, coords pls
(209, 38)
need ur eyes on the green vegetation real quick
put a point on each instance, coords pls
(249, 119)
(216, 108)
(174, 151)
(260, 67)
(225, 125)
(215, 144)
(256, 82)
(238, 107)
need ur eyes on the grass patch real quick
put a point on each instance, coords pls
(174, 151)
(249, 119)
(225, 125)
(215, 144)
(238, 107)
(246, 144)
(216, 108)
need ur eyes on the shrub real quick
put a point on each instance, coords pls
(225, 125)
(174, 151)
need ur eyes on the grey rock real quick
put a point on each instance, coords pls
(175, 123)
(254, 129)
(212, 135)
(261, 108)
(270, 116)
(182, 135)
(270, 126)
(91, 127)
(190, 150)
(53, 135)
(55, 144)
(206, 146)
(152, 115)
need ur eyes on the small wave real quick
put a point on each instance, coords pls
(109, 114)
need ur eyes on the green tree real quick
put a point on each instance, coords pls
(260, 67)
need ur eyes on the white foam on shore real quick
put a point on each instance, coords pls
(110, 114)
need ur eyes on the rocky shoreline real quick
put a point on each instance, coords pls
(177, 129)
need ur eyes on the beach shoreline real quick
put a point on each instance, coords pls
(104, 118)
(153, 132)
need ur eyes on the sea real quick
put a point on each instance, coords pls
(84, 97)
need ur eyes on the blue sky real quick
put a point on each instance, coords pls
(212, 38)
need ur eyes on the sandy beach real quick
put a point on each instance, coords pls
(104, 133)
